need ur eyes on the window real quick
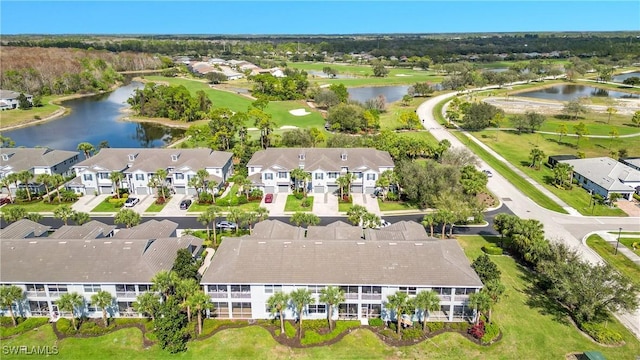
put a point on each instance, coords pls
(35, 289)
(241, 309)
(348, 311)
(300, 156)
(315, 289)
(179, 176)
(252, 169)
(357, 175)
(126, 309)
(56, 289)
(344, 169)
(220, 310)
(87, 177)
(332, 175)
(103, 176)
(350, 292)
(267, 176)
(343, 156)
(144, 288)
(240, 288)
(442, 291)
(270, 289)
(140, 177)
(92, 308)
(371, 310)
(465, 291)
(319, 176)
(39, 308)
(317, 309)
(282, 174)
(217, 288)
(92, 288)
(371, 176)
(408, 290)
(371, 292)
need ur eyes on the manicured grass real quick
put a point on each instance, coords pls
(295, 205)
(19, 116)
(618, 261)
(628, 242)
(24, 325)
(516, 148)
(36, 206)
(312, 337)
(625, 232)
(395, 205)
(344, 206)
(363, 75)
(156, 207)
(105, 206)
(250, 206)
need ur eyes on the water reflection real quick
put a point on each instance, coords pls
(570, 92)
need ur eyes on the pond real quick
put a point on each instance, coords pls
(623, 77)
(391, 93)
(320, 74)
(570, 92)
(95, 119)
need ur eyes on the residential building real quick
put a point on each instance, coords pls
(139, 166)
(9, 99)
(270, 169)
(91, 230)
(245, 272)
(45, 268)
(37, 161)
(24, 229)
(604, 176)
(633, 162)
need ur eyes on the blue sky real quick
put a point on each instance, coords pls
(314, 17)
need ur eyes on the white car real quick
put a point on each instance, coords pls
(383, 224)
(488, 173)
(131, 201)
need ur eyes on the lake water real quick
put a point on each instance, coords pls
(391, 93)
(570, 92)
(320, 74)
(95, 119)
(623, 77)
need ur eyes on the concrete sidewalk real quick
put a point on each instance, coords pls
(622, 249)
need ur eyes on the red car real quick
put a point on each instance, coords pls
(268, 199)
(5, 201)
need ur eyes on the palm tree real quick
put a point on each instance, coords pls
(147, 303)
(331, 295)
(429, 220)
(398, 302)
(536, 155)
(495, 290)
(278, 302)
(355, 214)
(245, 183)
(116, 177)
(427, 301)
(481, 302)
(235, 215)
(611, 110)
(25, 177)
(165, 283)
(64, 213)
(161, 175)
(185, 288)
(13, 177)
(69, 303)
(205, 218)
(80, 217)
(297, 175)
(103, 300)
(199, 302)
(300, 298)
(344, 182)
(8, 296)
(127, 217)
(6, 182)
(35, 217)
(202, 175)
(86, 148)
(45, 179)
(57, 180)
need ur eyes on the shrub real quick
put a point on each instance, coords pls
(636, 196)
(314, 324)
(24, 325)
(68, 196)
(435, 326)
(412, 334)
(64, 326)
(306, 202)
(477, 330)
(205, 198)
(242, 200)
(289, 330)
(376, 322)
(460, 326)
(492, 250)
(393, 326)
(491, 331)
(299, 195)
(602, 334)
(393, 196)
(116, 202)
(223, 202)
(256, 194)
(390, 333)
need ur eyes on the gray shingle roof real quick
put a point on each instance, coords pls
(23, 228)
(150, 160)
(605, 172)
(20, 159)
(328, 159)
(81, 261)
(336, 232)
(151, 229)
(341, 262)
(91, 230)
(276, 229)
(10, 94)
(402, 231)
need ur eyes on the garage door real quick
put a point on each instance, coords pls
(140, 190)
(104, 190)
(283, 188)
(333, 189)
(192, 191)
(269, 189)
(180, 190)
(318, 189)
(356, 189)
(369, 190)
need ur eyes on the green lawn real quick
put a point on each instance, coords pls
(619, 261)
(156, 207)
(295, 205)
(105, 206)
(250, 206)
(628, 242)
(516, 148)
(396, 205)
(36, 206)
(344, 206)
(19, 116)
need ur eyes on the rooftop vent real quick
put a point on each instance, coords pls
(393, 243)
(343, 156)
(5, 157)
(174, 157)
(132, 157)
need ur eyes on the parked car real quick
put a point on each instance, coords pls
(383, 224)
(131, 201)
(224, 225)
(184, 204)
(4, 200)
(268, 199)
(488, 173)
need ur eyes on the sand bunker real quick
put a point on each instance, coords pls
(286, 127)
(403, 75)
(299, 112)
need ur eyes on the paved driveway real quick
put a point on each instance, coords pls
(325, 204)
(276, 207)
(369, 202)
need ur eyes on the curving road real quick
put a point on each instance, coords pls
(569, 229)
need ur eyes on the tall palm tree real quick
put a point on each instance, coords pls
(6, 182)
(69, 303)
(344, 182)
(300, 298)
(185, 288)
(86, 149)
(147, 303)
(355, 214)
(278, 302)
(331, 295)
(116, 177)
(427, 301)
(45, 179)
(536, 155)
(205, 218)
(165, 283)
(103, 300)
(8, 296)
(495, 290)
(235, 215)
(80, 217)
(200, 302)
(25, 177)
(162, 174)
(57, 180)
(297, 175)
(398, 303)
(429, 220)
(481, 302)
(64, 213)
(13, 178)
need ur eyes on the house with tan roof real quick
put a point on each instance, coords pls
(270, 169)
(245, 272)
(140, 165)
(604, 175)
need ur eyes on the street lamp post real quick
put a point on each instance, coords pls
(618, 242)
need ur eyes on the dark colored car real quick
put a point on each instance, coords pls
(5, 201)
(184, 204)
(268, 199)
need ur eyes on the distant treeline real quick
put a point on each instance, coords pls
(619, 45)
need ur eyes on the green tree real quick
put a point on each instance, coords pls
(356, 214)
(562, 131)
(427, 301)
(574, 108)
(304, 218)
(481, 302)
(6, 142)
(536, 155)
(235, 215)
(165, 282)
(185, 288)
(332, 296)
(379, 70)
(161, 177)
(35, 217)
(486, 269)
(23, 102)
(300, 298)
(430, 221)
(444, 217)
(147, 303)
(341, 91)
(562, 173)
(298, 175)
(57, 180)
(611, 111)
(127, 217)
(6, 183)
(580, 130)
(10, 294)
(70, 302)
(25, 177)
(64, 213)
(534, 120)
(636, 118)
(86, 148)
(185, 266)
(614, 135)
(103, 300)
(399, 304)
(200, 302)
(344, 183)
(169, 327)
(14, 213)
(409, 119)
(116, 177)
(277, 303)
(495, 290)
(80, 217)
(44, 179)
